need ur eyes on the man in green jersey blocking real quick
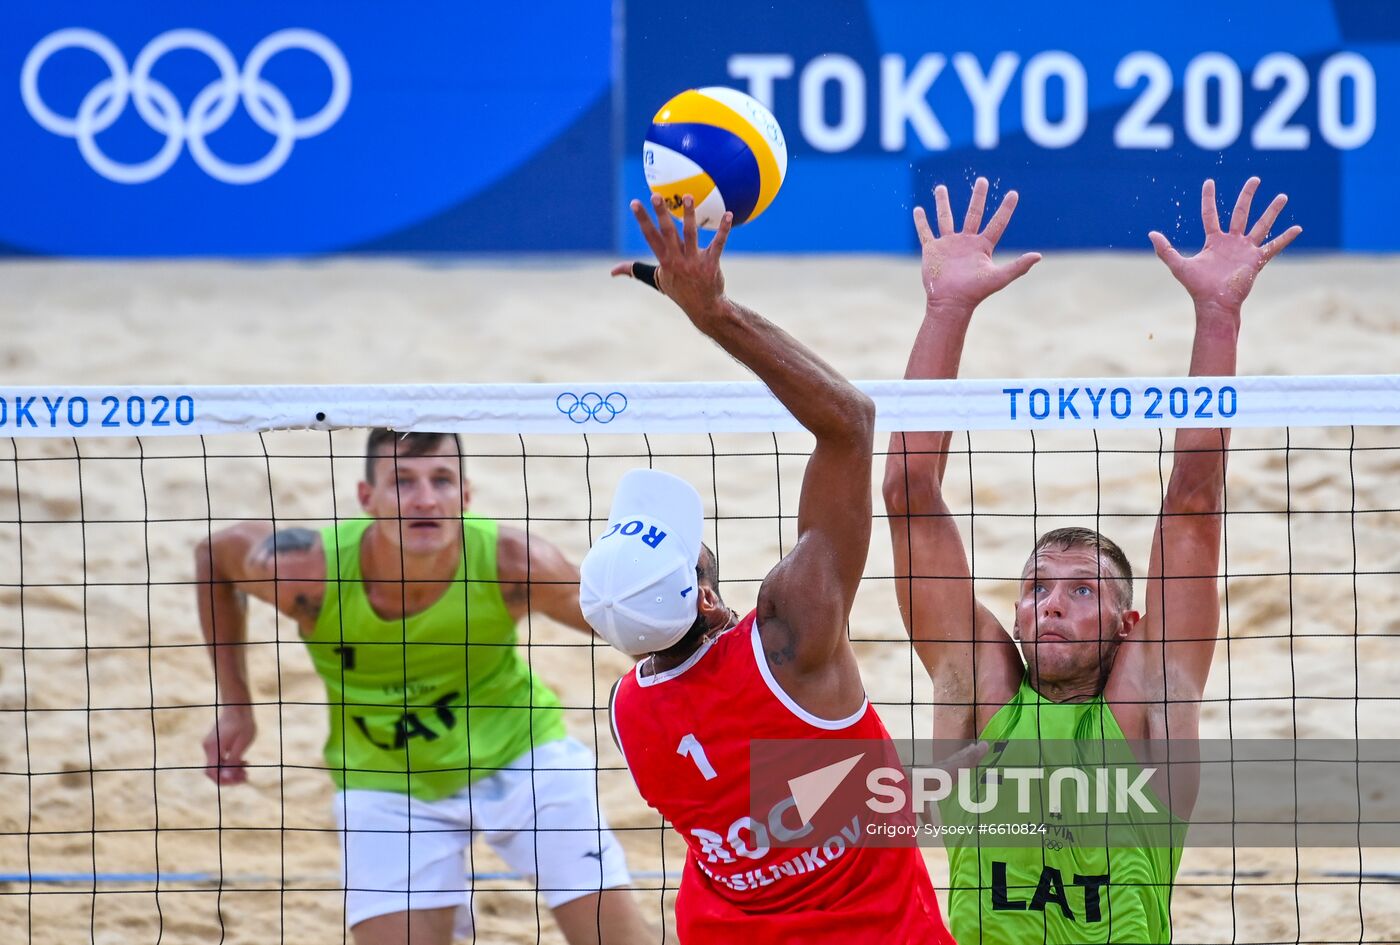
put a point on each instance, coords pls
(439, 730)
(1077, 681)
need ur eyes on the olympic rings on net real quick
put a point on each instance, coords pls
(580, 408)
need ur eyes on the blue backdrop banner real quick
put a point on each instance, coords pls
(271, 128)
(287, 129)
(1105, 117)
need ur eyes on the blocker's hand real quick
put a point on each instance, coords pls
(1223, 272)
(957, 264)
(689, 275)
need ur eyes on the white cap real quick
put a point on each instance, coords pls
(638, 587)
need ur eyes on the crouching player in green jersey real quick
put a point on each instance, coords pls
(439, 730)
(1090, 669)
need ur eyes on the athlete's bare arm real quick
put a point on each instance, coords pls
(1157, 680)
(805, 600)
(537, 577)
(285, 567)
(973, 662)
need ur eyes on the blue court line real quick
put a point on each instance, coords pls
(1389, 876)
(214, 877)
(89, 878)
(105, 877)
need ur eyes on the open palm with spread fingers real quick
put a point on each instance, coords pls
(957, 264)
(689, 275)
(1223, 272)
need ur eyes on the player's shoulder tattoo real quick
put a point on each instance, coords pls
(285, 540)
(779, 643)
(304, 605)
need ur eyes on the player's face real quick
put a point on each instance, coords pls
(1068, 617)
(426, 494)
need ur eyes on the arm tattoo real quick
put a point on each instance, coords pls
(290, 539)
(786, 652)
(306, 607)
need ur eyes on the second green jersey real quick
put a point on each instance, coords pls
(1067, 883)
(425, 704)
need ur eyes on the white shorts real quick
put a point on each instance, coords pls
(540, 814)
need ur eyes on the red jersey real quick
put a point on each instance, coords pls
(685, 734)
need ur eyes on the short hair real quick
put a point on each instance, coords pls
(706, 572)
(385, 442)
(1063, 539)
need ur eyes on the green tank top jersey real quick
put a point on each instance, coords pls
(1067, 882)
(426, 704)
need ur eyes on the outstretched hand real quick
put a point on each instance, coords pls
(1223, 272)
(957, 264)
(689, 275)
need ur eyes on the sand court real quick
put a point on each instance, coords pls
(106, 690)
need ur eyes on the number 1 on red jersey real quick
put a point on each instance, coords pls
(691, 747)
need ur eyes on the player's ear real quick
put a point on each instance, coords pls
(363, 491)
(1129, 620)
(466, 492)
(710, 604)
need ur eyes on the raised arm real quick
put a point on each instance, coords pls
(805, 600)
(1183, 605)
(974, 665)
(286, 568)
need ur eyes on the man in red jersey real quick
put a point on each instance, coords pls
(708, 683)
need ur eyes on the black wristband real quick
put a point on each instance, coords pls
(646, 272)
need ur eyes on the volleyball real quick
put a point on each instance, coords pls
(722, 147)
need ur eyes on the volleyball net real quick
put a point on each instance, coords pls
(111, 831)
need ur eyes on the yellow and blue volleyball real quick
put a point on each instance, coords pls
(720, 146)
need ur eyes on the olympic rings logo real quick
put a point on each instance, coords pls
(591, 406)
(210, 110)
